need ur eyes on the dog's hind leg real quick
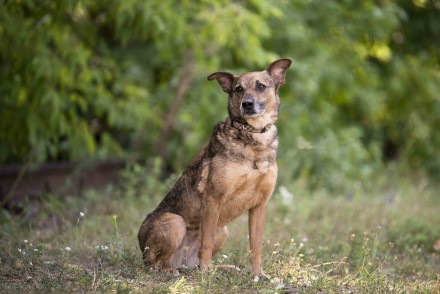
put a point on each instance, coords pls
(221, 234)
(187, 254)
(159, 237)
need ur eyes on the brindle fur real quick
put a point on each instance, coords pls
(235, 173)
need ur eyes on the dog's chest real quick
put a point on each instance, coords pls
(243, 184)
(248, 188)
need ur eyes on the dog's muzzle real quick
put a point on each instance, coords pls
(251, 107)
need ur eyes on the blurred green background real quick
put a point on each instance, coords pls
(100, 79)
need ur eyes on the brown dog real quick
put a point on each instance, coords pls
(235, 173)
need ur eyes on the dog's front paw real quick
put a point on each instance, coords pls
(260, 275)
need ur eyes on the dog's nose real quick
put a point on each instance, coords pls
(247, 104)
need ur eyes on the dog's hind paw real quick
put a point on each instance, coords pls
(171, 271)
(229, 268)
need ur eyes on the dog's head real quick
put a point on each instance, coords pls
(253, 96)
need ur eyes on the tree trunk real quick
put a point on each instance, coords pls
(185, 79)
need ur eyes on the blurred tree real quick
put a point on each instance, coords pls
(412, 84)
(63, 96)
(107, 78)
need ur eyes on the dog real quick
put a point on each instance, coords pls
(236, 172)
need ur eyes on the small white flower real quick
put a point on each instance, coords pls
(286, 195)
(68, 248)
(30, 263)
(35, 249)
(102, 247)
(275, 281)
(81, 214)
(26, 241)
(225, 256)
(301, 244)
(256, 279)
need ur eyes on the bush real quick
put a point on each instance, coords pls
(127, 79)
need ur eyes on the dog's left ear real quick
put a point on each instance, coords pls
(225, 79)
(277, 70)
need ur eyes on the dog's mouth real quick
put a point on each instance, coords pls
(252, 113)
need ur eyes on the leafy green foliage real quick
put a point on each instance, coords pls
(107, 78)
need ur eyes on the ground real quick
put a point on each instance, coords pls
(375, 241)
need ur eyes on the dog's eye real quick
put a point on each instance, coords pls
(260, 87)
(239, 89)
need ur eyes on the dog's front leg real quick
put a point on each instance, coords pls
(210, 215)
(257, 217)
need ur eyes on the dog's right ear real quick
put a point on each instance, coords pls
(225, 80)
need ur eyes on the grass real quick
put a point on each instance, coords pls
(320, 242)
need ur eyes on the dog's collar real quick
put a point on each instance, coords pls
(247, 128)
